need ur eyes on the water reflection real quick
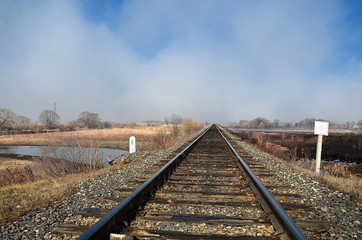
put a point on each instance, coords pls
(108, 154)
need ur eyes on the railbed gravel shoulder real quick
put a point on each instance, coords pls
(41, 224)
(329, 205)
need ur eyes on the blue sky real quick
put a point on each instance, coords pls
(216, 61)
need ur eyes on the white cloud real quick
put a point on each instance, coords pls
(222, 62)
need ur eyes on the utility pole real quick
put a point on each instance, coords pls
(55, 111)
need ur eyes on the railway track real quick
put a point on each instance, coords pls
(208, 196)
(283, 189)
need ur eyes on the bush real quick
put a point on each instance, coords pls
(175, 131)
(80, 155)
(161, 140)
(191, 126)
(16, 175)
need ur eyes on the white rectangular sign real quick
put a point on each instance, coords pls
(132, 144)
(321, 128)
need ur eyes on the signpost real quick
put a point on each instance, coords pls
(320, 129)
(132, 144)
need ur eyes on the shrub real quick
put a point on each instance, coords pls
(161, 140)
(12, 176)
(80, 155)
(175, 131)
(191, 126)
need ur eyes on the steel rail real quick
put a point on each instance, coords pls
(125, 210)
(288, 225)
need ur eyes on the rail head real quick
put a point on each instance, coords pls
(124, 210)
(289, 226)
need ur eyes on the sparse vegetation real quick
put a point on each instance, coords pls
(16, 175)
(38, 183)
(293, 145)
(16, 200)
(347, 184)
(284, 146)
(79, 155)
(161, 139)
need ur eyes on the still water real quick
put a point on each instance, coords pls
(107, 154)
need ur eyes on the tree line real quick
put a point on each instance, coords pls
(50, 118)
(305, 124)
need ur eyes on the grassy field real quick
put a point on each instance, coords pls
(110, 138)
(11, 162)
(18, 199)
(25, 185)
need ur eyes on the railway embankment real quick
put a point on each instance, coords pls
(342, 213)
(42, 223)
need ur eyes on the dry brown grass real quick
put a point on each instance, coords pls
(13, 171)
(17, 199)
(337, 176)
(111, 138)
(9, 162)
(351, 185)
(53, 162)
(20, 171)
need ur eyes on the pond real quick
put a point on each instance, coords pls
(107, 154)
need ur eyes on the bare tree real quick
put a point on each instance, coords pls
(276, 123)
(307, 123)
(260, 123)
(22, 120)
(7, 117)
(88, 119)
(244, 123)
(288, 125)
(359, 124)
(167, 121)
(176, 119)
(50, 118)
(349, 124)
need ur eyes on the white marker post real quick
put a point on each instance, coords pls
(132, 144)
(320, 129)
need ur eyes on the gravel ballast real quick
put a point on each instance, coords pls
(328, 204)
(41, 224)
